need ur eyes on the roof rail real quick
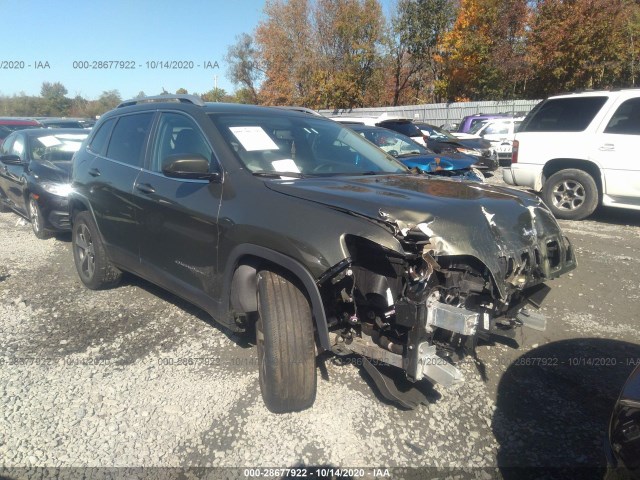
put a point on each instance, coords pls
(164, 98)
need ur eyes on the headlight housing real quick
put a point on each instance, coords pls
(58, 189)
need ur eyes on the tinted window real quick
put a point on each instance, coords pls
(99, 141)
(408, 129)
(626, 120)
(129, 137)
(178, 135)
(563, 115)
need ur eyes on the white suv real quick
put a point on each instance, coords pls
(581, 150)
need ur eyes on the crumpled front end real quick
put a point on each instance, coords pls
(424, 310)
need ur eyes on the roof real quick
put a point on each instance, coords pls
(188, 102)
(37, 132)
(18, 121)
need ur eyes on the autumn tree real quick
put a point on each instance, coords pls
(349, 35)
(287, 52)
(412, 46)
(108, 100)
(245, 70)
(54, 100)
(509, 50)
(484, 53)
(583, 44)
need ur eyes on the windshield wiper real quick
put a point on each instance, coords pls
(279, 174)
(408, 154)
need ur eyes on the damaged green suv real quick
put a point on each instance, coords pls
(299, 224)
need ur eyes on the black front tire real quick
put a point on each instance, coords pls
(571, 194)
(37, 219)
(286, 346)
(93, 266)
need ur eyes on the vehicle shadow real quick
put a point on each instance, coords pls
(242, 339)
(616, 216)
(412, 395)
(553, 408)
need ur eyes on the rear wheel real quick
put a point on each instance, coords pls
(93, 266)
(286, 346)
(571, 194)
(37, 219)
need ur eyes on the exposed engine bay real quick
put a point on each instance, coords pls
(423, 312)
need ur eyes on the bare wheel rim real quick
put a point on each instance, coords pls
(33, 213)
(85, 251)
(568, 195)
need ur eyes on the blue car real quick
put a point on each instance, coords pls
(414, 155)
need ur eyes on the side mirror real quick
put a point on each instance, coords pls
(191, 166)
(11, 160)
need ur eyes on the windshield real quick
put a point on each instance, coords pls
(441, 135)
(477, 126)
(284, 145)
(393, 143)
(56, 148)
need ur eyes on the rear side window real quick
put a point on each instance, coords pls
(563, 115)
(98, 143)
(626, 120)
(129, 138)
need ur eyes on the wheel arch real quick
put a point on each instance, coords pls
(557, 164)
(79, 204)
(240, 283)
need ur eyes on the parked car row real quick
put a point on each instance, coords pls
(434, 138)
(415, 155)
(11, 124)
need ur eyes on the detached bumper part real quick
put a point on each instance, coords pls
(420, 359)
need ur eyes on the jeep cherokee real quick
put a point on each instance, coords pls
(302, 226)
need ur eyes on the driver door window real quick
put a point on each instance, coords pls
(178, 135)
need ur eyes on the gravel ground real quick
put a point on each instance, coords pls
(137, 377)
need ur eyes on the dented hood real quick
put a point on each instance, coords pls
(460, 218)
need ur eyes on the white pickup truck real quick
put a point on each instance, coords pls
(581, 150)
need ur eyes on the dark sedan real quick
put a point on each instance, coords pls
(441, 141)
(414, 155)
(34, 176)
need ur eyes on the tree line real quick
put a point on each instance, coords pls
(346, 53)
(54, 102)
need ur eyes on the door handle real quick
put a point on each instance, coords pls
(607, 147)
(94, 172)
(145, 188)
